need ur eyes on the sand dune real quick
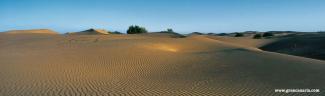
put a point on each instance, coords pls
(134, 65)
(164, 35)
(306, 45)
(34, 31)
(244, 41)
(91, 32)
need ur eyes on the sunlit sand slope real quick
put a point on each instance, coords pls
(73, 65)
(34, 31)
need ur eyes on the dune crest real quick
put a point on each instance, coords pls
(91, 32)
(163, 35)
(33, 31)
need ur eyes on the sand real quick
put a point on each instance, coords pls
(308, 45)
(33, 31)
(90, 32)
(105, 65)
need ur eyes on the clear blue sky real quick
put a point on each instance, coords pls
(182, 15)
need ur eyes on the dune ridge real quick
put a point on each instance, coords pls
(32, 31)
(90, 32)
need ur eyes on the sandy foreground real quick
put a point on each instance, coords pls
(109, 65)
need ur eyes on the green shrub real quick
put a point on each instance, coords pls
(268, 34)
(222, 34)
(239, 35)
(197, 33)
(170, 30)
(212, 34)
(257, 36)
(136, 30)
(117, 32)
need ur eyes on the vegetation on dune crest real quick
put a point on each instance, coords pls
(265, 35)
(136, 30)
(197, 33)
(117, 32)
(239, 35)
(170, 30)
(257, 36)
(268, 34)
(223, 34)
(211, 34)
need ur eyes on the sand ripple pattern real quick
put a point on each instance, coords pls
(145, 66)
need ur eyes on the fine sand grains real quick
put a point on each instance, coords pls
(114, 65)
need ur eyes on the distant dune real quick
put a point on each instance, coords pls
(139, 65)
(91, 32)
(34, 31)
(305, 44)
(244, 41)
(163, 34)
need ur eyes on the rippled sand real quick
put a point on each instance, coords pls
(52, 65)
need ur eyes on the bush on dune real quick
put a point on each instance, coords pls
(257, 36)
(223, 34)
(117, 32)
(239, 35)
(268, 34)
(197, 33)
(170, 30)
(136, 30)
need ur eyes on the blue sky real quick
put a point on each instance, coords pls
(183, 16)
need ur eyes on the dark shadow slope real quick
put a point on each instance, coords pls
(310, 45)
